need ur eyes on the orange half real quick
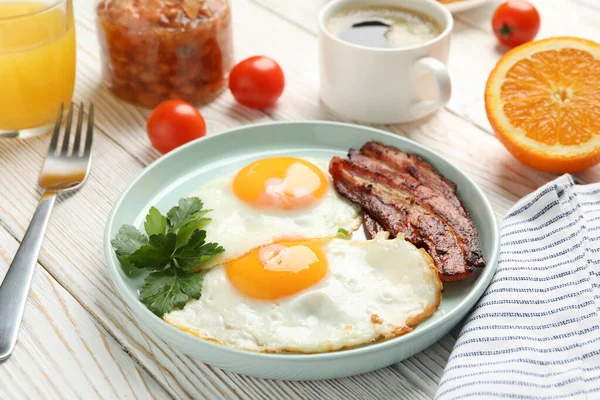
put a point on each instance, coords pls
(543, 101)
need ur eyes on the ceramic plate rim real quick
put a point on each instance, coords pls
(465, 5)
(470, 298)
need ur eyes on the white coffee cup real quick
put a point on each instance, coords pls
(384, 85)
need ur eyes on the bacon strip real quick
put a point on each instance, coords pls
(417, 168)
(371, 226)
(396, 211)
(428, 199)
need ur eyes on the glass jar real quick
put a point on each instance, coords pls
(155, 50)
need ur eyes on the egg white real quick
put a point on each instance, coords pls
(239, 227)
(373, 290)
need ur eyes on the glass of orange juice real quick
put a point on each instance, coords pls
(37, 64)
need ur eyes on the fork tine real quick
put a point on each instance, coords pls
(65, 145)
(77, 144)
(56, 133)
(90, 131)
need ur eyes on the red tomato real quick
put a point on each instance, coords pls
(257, 82)
(173, 123)
(515, 22)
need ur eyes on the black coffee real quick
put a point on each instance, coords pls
(383, 27)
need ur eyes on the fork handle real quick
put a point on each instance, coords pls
(15, 286)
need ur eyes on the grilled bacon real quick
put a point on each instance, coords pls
(371, 226)
(398, 213)
(417, 168)
(430, 200)
(402, 194)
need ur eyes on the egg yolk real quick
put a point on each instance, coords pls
(277, 270)
(280, 183)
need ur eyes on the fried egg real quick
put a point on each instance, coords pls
(311, 296)
(273, 199)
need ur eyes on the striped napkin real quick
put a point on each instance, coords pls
(535, 333)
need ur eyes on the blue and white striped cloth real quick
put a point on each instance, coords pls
(535, 333)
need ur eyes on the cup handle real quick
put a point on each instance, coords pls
(444, 87)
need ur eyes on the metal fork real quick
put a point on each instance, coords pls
(63, 170)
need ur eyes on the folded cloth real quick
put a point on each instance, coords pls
(535, 333)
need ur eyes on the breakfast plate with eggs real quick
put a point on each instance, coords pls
(276, 250)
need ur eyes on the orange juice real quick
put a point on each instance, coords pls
(37, 62)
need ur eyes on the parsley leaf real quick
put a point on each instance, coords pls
(175, 245)
(127, 267)
(186, 207)
(128, 240)
(195, 251)
(187, 227)
(156, 223)
(186, 217)
(164, 291)
(156, 254)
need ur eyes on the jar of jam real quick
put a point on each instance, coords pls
(155, 50)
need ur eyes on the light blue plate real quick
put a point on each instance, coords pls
(178, 173)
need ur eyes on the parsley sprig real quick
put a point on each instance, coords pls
(171, 249)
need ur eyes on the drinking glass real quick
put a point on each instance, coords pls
(37, 64)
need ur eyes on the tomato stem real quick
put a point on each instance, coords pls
(506, 31)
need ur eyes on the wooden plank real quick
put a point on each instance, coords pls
(474, 49)
(470, 69)
(489, 164)
(299, 102)
(62, 352)
(78, 265)
(72, 255)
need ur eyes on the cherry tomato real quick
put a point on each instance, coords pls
(173, 123)
(515, 22)
(257, 82)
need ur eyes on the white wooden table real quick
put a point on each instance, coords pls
(78, 340)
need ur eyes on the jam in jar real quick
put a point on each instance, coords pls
(155, 50)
